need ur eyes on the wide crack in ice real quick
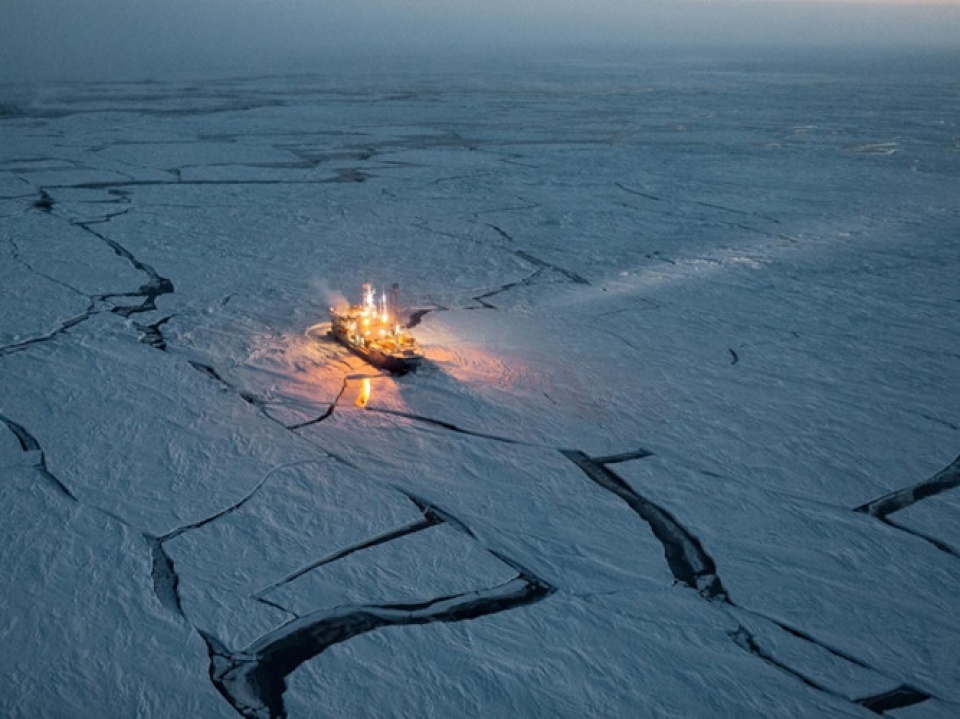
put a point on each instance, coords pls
(253, 680)
(881, 508)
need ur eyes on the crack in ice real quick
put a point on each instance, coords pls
(881, 508)
(29, 443)
(253, 680)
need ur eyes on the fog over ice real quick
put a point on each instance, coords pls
(64, 39)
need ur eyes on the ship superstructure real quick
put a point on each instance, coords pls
(372, 331)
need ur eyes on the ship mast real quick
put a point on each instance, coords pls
(369, 302)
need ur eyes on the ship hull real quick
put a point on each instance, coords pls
(398, 365)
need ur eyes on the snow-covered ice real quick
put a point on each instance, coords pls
(685, 441)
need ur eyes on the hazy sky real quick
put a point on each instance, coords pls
(45, 39)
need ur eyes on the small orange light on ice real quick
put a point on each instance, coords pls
(364, 395)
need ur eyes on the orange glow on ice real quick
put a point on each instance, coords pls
(364, 395)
